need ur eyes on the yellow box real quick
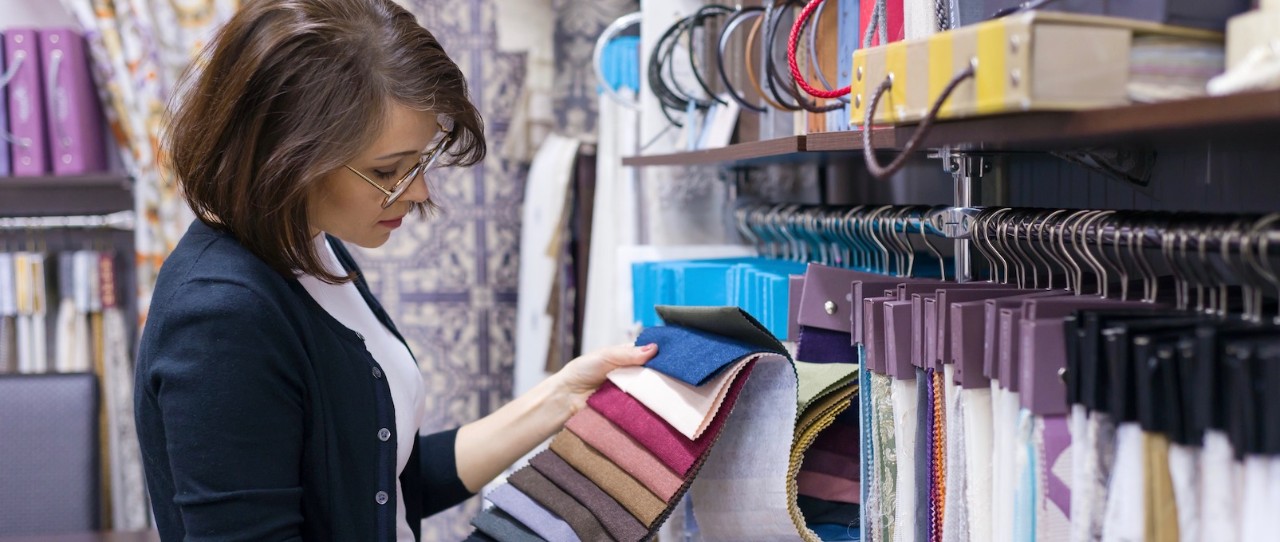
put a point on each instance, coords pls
(1039, 61)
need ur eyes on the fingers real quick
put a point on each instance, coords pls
(625, 355)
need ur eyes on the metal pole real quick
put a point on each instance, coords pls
(967, 171)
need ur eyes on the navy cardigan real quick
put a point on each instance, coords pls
(260, 415)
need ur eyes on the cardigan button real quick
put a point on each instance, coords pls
(384, 434)
(380, 497)
(377, 372)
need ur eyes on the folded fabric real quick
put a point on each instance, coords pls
(812, 423)
(819, 379)
(829, 463)
(615, 519)
(690, 355)
(632, 495)
(827, 487)
(687, 408)
(494, 524)
(654, 433)
(818, 345)
(818, 511)
(531, 514)
(540, 489)
(608, 439)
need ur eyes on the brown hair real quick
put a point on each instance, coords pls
(289, 90)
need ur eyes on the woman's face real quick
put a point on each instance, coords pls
(349, 208)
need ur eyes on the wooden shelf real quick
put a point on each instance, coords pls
(739, 153)
(74, 195)
(881, 139)
(1185, 120)
(1236, 116)
(810, 148)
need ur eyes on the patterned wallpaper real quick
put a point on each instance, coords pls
(450, 281)
(578, 24)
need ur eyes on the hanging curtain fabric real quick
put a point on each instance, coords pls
(139, 49)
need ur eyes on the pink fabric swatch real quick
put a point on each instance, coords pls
(655, 434)
(686, 407)
(827, 488)
(634, 459)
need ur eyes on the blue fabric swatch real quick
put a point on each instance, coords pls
(690, 355)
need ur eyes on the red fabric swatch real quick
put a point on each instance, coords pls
(655, 434)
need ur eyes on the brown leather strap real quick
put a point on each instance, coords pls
(751, 66)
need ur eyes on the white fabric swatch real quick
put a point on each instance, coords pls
(8, 288)
(1082, 472)
(745, 475)
(978, 445)
(1126, 499)
(1184, 469)
(955, 519)
(1051, 521)
(544, 202)
(689, 409)
(613, 224)
(1004, 454)
(1024, 493)
(1256, 512)
(1220, 475)
(905, 408)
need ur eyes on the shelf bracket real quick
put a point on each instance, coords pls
(966, 169)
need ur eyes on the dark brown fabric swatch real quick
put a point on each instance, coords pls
(540, 489)
(631, 494)
(615, 519)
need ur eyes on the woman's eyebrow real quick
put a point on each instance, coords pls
(396, 155)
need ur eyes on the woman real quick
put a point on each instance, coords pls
(275, 398)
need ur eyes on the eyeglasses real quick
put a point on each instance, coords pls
(424, 164)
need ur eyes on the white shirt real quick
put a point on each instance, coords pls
(408, 393)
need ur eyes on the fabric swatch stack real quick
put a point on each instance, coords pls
(621, 465)
(823, 476)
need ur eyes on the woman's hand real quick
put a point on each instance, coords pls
(487, 446)
(580, 377)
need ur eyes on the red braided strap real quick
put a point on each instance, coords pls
(796, 30)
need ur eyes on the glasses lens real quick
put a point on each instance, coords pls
(401, 187)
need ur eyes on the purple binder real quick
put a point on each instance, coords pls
(75, 125)
(25, 103)
(4, 115)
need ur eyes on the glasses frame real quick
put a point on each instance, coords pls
(401, 186)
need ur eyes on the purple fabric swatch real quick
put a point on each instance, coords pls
(531, 514)
(819, 345)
